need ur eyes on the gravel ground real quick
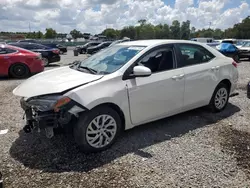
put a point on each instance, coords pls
(193, 149)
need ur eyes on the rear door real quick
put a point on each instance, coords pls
(201, 74)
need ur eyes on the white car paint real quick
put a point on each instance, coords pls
(245, 48)
(156, 96)
(53, 81)
(142, 99)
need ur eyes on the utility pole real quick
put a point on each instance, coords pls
(29, 27)
(210, 24)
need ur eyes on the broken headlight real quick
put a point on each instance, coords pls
(47, 103)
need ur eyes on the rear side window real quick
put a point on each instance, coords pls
(192, 54)
(6, 51)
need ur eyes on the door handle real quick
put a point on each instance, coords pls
(213, 68)
(178, 77)
(217, 67)
(175, 77)
(181, 76)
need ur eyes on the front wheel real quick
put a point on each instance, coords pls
(97, 129)
(220, 98)
(236, 58)
(45, 61)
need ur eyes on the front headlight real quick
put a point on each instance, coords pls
(47, 103)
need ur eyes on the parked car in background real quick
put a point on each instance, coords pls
(28, 40)
(63, 49)
(19, 63)
(49, 55)
(244, 50)
(126, 85)
(119, 41)
(203, 40)
(94, 49)
(82, 49)
(229, 50)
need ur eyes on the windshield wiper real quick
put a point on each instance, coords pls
(93, 71)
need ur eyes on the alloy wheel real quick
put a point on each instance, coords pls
(101, 131)
(45, 61)
(221, 98)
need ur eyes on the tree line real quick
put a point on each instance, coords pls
(146, 30)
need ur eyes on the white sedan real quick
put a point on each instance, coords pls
(124, 86)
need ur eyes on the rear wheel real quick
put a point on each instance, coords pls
(97, 129)
(220, 98)
(19, 70)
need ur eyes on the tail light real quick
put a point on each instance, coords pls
(235, 64)
(56, 51)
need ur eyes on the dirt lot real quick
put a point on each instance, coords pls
(194, 149)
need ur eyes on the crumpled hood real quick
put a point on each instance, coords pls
(53, 81)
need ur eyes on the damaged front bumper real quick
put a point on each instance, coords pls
(49, 112)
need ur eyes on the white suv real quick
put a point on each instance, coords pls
(126, 85)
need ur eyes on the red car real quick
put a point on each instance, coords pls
(18, 62)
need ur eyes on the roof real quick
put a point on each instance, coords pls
(156, 42)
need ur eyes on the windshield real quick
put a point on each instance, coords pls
(111, 59)
(246, 44)
(87, 44)
(100, 45)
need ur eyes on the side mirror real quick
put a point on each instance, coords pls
(141, 71)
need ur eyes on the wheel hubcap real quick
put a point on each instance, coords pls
(19, 70)
(221, 98)
(45, 61)
(101, 131)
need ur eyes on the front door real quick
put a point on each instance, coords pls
(160, 94)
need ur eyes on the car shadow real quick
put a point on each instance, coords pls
(4, 78)
(53, 65)
(60, 154)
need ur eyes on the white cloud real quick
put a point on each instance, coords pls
(95, 15)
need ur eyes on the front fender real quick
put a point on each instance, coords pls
(112, 91)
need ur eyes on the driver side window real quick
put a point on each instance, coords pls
(159, 60)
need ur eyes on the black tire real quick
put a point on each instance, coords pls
(212, 103)
(19, 70)
(46, 61)
(236, 58)
(83, 122)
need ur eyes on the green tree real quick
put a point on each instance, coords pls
(147, 31)
(175, 30)
(50, 33)
(159, 31)
(76, 34)
(110, 33)
(193, 32)
(39, 35)
(129, 32)
(185, 30)
(218, 34)
(142, 22)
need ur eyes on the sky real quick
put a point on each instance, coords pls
(95, 15)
